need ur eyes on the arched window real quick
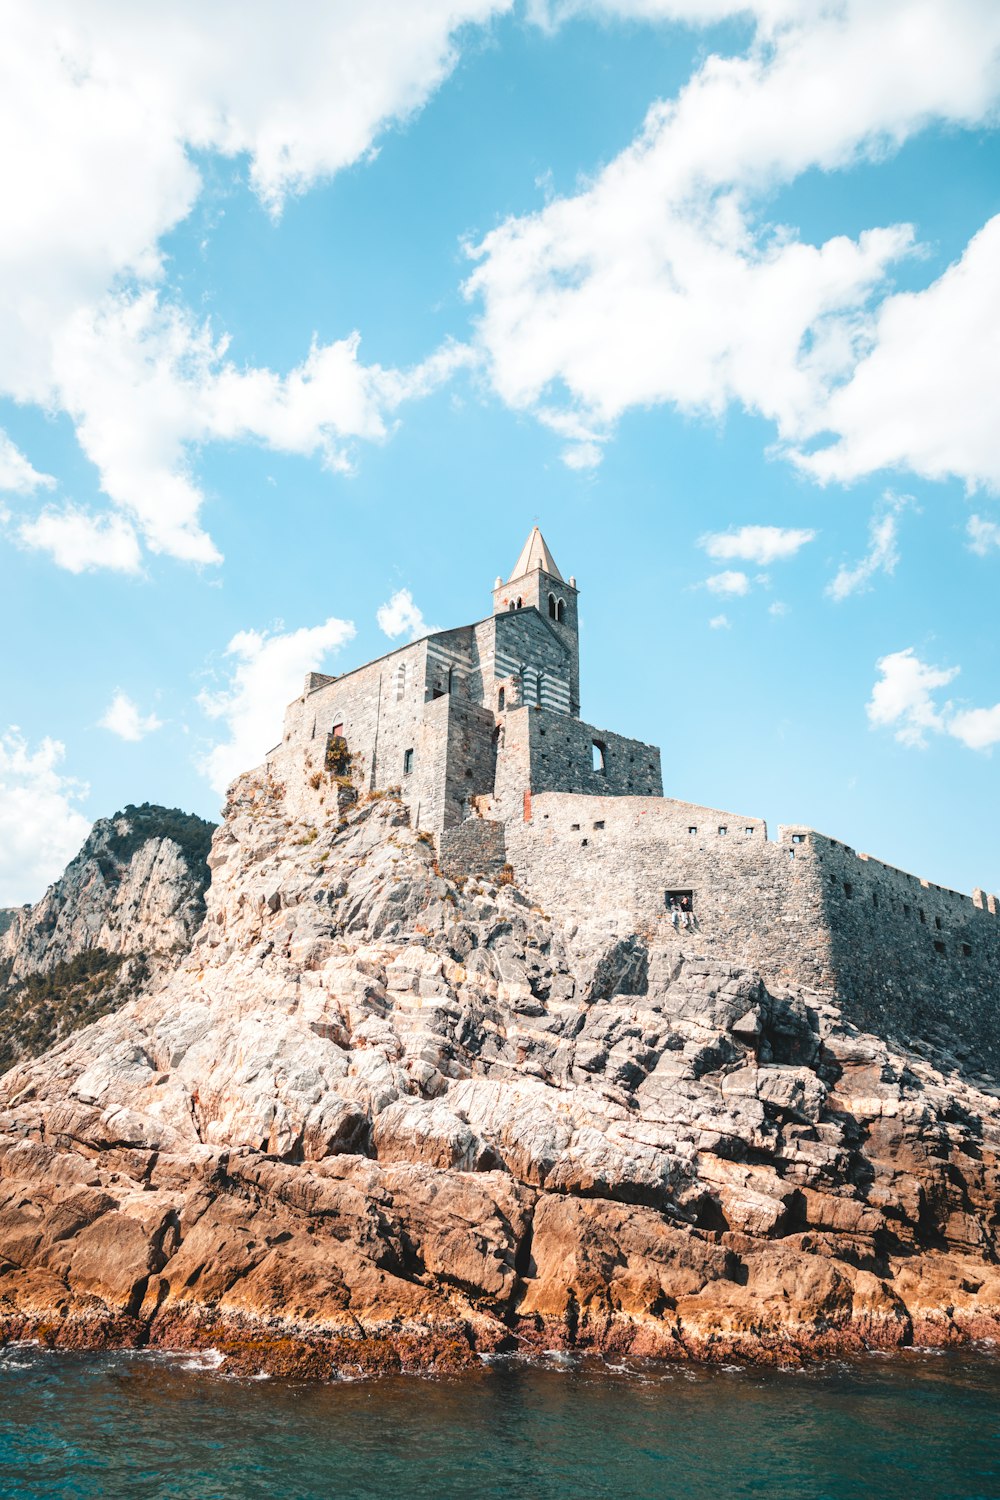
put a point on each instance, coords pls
(560, 610)
(502, 699)
(512, 605)
(519, 603)
(598, 754)
(552, 607)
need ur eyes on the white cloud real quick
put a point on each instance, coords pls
(978, 728)
(399, 616)
(983, 535)
(720, 622)
(757, 544)
(656, 283)
(16, 474)
(917, 400)
(882, 555)
(104, 110)
(144, 382)
(122, 717)
(40, 827)
(267, 673)
(778, 608)
(902, 696)
(80, 542)
(903, 700)
(729, 582)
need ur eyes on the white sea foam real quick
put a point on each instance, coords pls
(205, 1360)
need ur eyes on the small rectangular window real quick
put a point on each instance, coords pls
(966, 951)
(923, 916)
(906, 910)
(798, 838)
(692, 830)
(848, 888)
(939, 947)
(407, 762)
(937, 923)
(574, 828)
(338, 731)
(748, 832)
(600, 824)
(723, 828)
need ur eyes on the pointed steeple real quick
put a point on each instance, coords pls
(535, 554)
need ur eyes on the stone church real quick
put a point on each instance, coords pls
(478, 730)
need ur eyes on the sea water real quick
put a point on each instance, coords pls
(918, 1427)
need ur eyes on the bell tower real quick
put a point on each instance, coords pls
(536, 583)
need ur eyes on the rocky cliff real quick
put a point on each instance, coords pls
(378, 1118)
(125, 910)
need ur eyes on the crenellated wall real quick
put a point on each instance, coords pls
(906, 958)
(916, 959)
(613, 860)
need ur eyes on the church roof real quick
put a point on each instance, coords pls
(535, 554)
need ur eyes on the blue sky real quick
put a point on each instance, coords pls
(303, 320)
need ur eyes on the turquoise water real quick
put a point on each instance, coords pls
(923, 1427)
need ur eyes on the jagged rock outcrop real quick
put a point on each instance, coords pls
(379, 1118)
(124, 911)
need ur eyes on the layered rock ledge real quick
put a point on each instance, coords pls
(377, 1119)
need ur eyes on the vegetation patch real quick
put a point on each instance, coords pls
(192, 834)
(39, 1011)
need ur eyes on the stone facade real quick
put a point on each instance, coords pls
(479, 729)
(466, 721)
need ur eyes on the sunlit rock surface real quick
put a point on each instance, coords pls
(377, 1118)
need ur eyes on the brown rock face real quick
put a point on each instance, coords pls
(377, 1120)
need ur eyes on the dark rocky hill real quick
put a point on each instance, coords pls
(124, 910)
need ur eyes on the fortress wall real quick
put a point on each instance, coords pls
(513, 764)
(424, 788)
(475, 847)
(914, 959)
(782, 908)
(381, 708)
(470, 754)
(562, 759)
(544, 752)
(587, 857)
